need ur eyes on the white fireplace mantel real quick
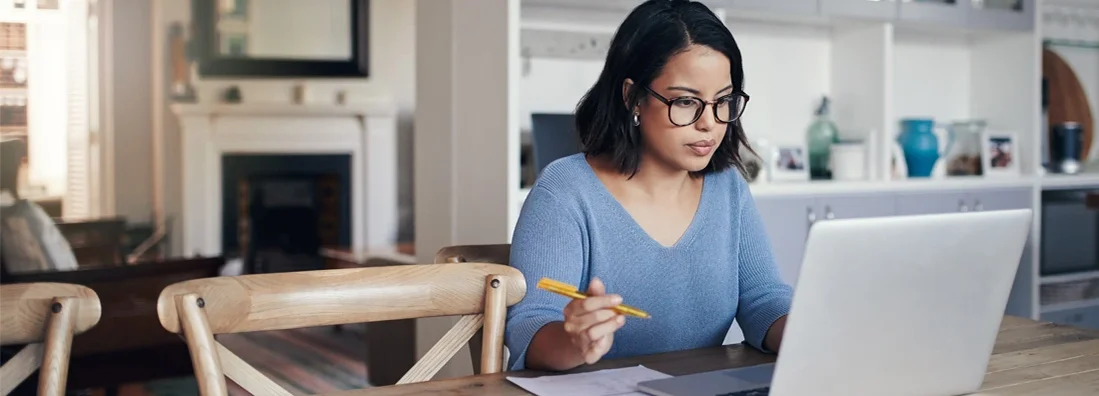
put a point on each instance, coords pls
(367, 132)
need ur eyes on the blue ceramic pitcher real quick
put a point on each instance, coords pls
(921, 146)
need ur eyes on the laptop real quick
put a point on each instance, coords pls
(906, 305)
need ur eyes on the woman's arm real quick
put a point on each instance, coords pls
(548, 242)
(764, 297)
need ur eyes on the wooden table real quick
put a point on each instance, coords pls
(1030, 358)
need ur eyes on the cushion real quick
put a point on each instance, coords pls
(31, 241)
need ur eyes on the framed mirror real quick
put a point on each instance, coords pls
(281, 38)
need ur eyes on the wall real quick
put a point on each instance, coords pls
(780, 63)
(132, 109)
(392, 69)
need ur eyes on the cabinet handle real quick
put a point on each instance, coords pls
(811, 216)
(962, 206)
(828, 215)
(978, 206)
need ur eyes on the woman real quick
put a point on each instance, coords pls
(654, 209)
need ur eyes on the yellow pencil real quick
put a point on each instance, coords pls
(570, 291)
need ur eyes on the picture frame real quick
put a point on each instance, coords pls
(206, 45)
(788, 163)
(1000, 155)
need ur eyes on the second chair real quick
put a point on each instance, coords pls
(202, 308)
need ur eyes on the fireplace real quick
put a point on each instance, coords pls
(285, 147)
(278, 210)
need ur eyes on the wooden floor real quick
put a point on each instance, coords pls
(303, 361)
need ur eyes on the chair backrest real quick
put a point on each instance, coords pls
(45, 316)
(201, 308)
(496, 254)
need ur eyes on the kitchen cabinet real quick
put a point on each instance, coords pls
(1002, 14)
(1022, 296)
(921, 203)
(1002, 199)
(1021, 301)
(806, 7)
(1086, 317)
(787, 221)
(954, 13)
(918, 203)
(854, 206)
(881, 10)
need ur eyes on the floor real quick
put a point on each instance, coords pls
(303, 361)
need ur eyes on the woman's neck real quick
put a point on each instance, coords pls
(653, 181)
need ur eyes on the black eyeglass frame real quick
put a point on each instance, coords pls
(698, 114)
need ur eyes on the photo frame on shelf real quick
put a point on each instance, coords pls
(1001, 153)
(789, 163)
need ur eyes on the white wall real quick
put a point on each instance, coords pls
(392, 73)
(786, 68)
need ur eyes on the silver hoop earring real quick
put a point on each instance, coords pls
(636, 119)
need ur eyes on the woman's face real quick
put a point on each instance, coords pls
(698, 72)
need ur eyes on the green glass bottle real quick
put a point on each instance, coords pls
(820, 137)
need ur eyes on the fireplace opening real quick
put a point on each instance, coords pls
(279, 210)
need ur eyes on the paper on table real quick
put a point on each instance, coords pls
(617, 382)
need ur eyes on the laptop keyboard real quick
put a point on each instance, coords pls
(750, 392)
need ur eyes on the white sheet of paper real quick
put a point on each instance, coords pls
(617, 382)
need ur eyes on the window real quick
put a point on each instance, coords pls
(44, 97)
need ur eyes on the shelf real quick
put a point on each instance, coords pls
(869, 187)
(1071, 43)
(1066, 182)
(1073, 277)
(1070, 305)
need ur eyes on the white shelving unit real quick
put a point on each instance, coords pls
(878, 62)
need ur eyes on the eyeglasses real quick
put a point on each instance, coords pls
(685, 110)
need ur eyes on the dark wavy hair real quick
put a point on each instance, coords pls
(652, 33)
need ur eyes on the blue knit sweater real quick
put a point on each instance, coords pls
(572, 229)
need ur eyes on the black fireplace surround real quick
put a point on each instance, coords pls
(278, 210)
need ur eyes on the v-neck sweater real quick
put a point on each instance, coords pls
(722, 268)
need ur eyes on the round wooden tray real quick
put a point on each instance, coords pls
(1067, 99)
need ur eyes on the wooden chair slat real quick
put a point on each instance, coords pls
(246, 376)
(19, 367)
(442, 351)
(59, 339)
(200, 342)
(492, 343)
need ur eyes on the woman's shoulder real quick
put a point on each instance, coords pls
(731, 181)
(566, 177)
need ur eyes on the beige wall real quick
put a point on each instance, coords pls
(392, 73)
(131, 109)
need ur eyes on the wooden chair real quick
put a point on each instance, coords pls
(129, 336)
(44, 317)
(496, 254)
(201, 308)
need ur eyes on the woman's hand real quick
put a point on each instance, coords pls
(590, 323)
